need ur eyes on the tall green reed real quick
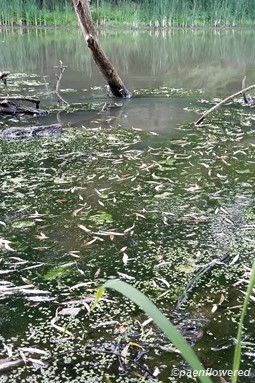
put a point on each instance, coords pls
(160, 13)
(29, 12)
(187, 13)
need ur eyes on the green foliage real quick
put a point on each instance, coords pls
(164, 13)
(170, 13)
(56, 272)
(102, 218)
(37, 13)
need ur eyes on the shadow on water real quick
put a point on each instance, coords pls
(151, 204)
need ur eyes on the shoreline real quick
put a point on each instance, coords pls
(127, 27)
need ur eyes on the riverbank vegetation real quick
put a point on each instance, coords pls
(135, 13)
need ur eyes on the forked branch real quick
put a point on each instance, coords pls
(62, 68)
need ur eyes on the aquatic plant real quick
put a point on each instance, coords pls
(169, 329)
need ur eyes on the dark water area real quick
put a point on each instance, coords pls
(211, 61)
(136, 192)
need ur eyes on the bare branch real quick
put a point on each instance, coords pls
(215, 107)
(34, 100)
(62, 68)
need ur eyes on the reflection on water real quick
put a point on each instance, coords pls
(175, 58)
(213, 61)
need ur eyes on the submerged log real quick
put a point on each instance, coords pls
(34, 100)
(25, 133)
(9, 107)
(114, 81)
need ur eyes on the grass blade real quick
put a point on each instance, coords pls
(163, 323)
(237, 354)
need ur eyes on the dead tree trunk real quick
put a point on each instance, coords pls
(114, 81)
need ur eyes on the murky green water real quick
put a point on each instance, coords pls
(106, 200)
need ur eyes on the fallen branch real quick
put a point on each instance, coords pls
(9, 107)
(190, 286)
(215, 107)
(62, 68)
(34, 100)
(8, 364)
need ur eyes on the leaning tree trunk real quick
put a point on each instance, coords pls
(114, 81)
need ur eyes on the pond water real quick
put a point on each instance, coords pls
(136, 192)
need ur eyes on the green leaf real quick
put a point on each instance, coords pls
(56, 272)
(99, 295)
(102, 218)
(163, 323)
(22, 224)
(168, 161)
(237, 354)
(244, 171)
(164, 195)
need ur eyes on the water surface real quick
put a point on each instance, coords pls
(136, 192)
(211, 61)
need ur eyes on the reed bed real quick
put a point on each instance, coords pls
(134, 13)
(36, 13)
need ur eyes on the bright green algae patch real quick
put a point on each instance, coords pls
(99, 204)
